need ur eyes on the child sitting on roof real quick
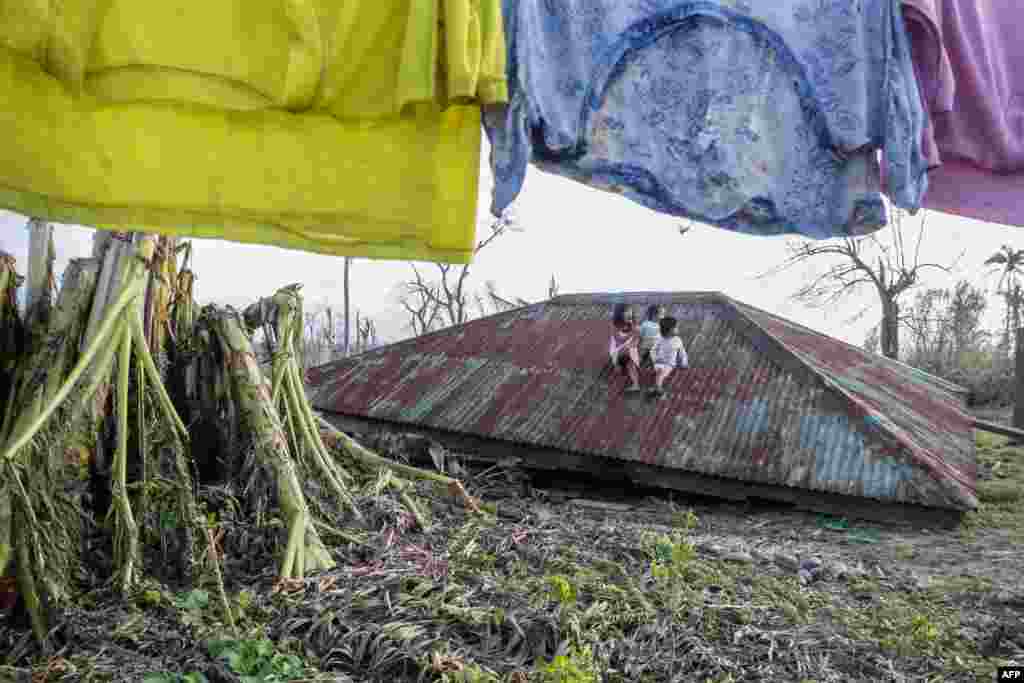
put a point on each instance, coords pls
(650, 332)
(667, 353)
(623, 345)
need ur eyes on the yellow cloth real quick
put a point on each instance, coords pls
(347, 127)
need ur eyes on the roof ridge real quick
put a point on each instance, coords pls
(435, 333)
(942, 383)
(610, 297)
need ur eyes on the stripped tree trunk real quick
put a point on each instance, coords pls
(46, 494)
(890, 328)
(39, 286)
(11, 328)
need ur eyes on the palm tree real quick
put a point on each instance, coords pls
(1010, 264)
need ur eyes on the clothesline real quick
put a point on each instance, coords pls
(354, 128)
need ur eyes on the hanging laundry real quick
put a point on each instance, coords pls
(764, 118)
(348, 128)
(923, 19)
(976, 106)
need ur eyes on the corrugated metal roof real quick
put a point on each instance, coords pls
(765, 400)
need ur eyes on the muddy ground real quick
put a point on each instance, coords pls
(557, 585)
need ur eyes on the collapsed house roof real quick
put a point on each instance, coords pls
(768, 408)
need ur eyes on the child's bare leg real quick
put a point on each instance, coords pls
(633, 367)
(660, 375)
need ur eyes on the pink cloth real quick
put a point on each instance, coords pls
(923, 19)
(976, 105)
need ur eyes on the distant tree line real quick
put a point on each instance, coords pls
(941, 330)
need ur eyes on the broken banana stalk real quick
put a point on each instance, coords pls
(122, 316)
(304, 551)
(362, 454)
(285, 309)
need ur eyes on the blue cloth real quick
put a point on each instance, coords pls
(760, 117)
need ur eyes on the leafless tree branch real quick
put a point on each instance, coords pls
(887, 266)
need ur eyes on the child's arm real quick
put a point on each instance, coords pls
(682, 358)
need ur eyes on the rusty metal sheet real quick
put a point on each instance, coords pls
(764, 400)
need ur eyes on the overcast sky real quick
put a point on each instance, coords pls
(590, 240)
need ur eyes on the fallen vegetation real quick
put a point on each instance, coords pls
(537, 590)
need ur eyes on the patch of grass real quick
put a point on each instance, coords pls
(686, 520)
(785, 592)
(904, 551)
(470, 673)
(576, 667)
(917, 625)
(669, 555)
(988, 441)
(465, 552)
(945, 586)
(165, 677)
(999, 498)
(561, 590)
(1000, 492)
(257, 661)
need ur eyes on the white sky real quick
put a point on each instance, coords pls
(590, 240)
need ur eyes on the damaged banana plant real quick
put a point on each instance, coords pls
(100, 306)
(280, 319)
(90, 432)
(234, 388)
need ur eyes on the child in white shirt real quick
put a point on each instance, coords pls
(650, 332)
(667, 354)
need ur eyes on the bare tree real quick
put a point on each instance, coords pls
(366, 334)
(871, 341)
(927, 323)
(552, 287)
(319, 335)
(329, 333)
(446, 300)
(890, 267)
(499, 303)
(491, 301)
(419, 298)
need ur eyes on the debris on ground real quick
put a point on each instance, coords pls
(534, 590)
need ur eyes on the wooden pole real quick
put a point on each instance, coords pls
(345, 344)
(994, 428)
